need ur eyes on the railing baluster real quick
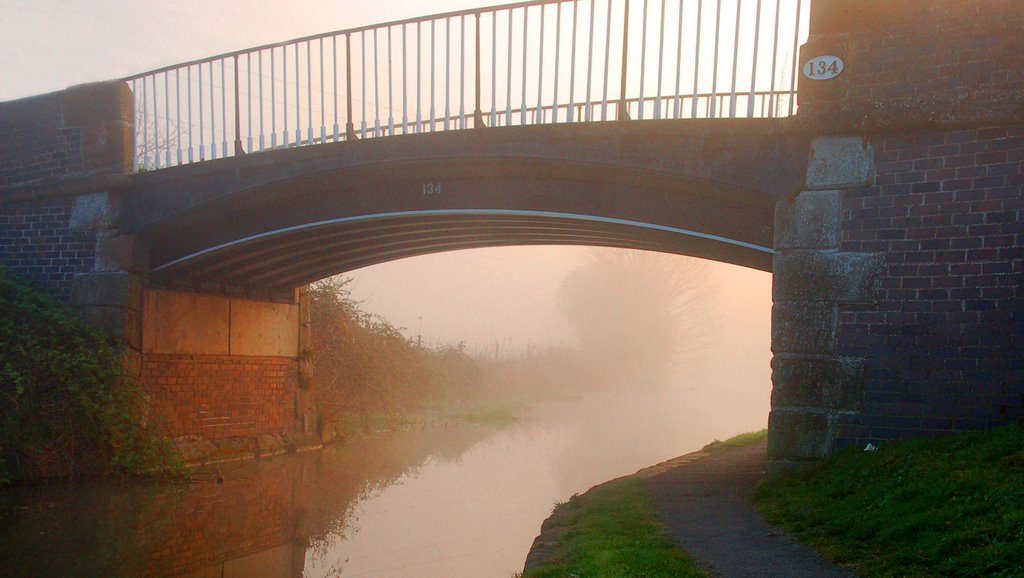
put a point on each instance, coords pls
(145, 128)
(590, 61)
(607, 65)
(309, 93)
(753, 66)
(462, 71)
(334, 80)
(775, 54)
(714, 66)
(298, 98)
(199, 82)
(508, 80)
(696, 60)
(478, 114)
(572, 63)
(167, 118)
(350, 128)
(419, 68)
(432, 72)
(284, 95)
(494, 68)
(259, 82)
(223, 111)
(213, 117)
(735, 60)
(643, 62)
(796, 60)
(405, 102)
(558, 54)
(177, 111)
(623, 112)
(156, 126)
(522, 101)
(188, 76)
(679, 60)
(661, 54)
(362, 57)
(376, 86)
(248, 97)
(273, 103)
(391, 92)
(323, 95)
(447, 70)
(538, 117)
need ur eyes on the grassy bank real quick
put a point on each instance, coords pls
(612, 530)
(952, 506)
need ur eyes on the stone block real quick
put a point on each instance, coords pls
(92, 212)
(839, 162)
(186, 323)
(843, 278)
(833, 383)
(809, 221)
(116, 289)
(804, 327)
(795, 434)
(114, 252)
(261, 328)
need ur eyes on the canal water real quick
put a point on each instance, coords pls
(446, 500)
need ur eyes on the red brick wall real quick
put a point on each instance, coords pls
(945, 345)
(216, 397)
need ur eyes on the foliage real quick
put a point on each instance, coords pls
(612, 531)
(365, 365)
(66, 408)
(640, 310)
(928, 507)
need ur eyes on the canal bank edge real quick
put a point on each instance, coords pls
(546, 545)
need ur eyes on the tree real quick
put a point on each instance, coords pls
(638, 311)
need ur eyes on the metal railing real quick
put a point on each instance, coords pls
(545, 61)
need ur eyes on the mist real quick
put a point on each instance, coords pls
(651, 336)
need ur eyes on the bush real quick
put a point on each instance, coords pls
(66, 408)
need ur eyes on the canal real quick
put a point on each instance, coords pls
(443, 499)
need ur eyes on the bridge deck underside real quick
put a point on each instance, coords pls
(283, 260)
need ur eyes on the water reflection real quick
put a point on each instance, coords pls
(246, 519)
(455, 500)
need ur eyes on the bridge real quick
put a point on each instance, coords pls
(184, 209)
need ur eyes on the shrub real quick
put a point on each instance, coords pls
(66, 408)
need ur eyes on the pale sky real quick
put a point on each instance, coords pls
(482, 297)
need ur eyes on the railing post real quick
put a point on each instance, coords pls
(478, 115)
(350, 128)
(623, 107)
(238, 123)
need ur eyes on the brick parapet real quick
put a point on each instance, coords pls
(931, 64)
(215, 397)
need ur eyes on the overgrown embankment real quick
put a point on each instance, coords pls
(927, 507)
(66, 408)
(369, 375)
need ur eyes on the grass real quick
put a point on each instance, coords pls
(950, 506)
(739, 440)
(612, 531)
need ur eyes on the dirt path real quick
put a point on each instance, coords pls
(703, 499)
